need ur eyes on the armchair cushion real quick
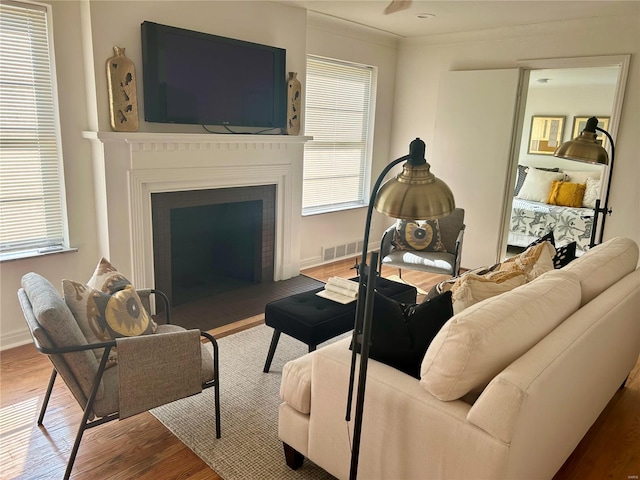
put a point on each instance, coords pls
(421, 235)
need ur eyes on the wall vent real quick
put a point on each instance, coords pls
(335, 252)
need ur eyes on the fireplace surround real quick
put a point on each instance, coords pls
(130, 167)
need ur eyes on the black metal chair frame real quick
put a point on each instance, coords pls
(85, 423)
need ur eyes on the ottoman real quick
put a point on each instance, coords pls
(313, 319)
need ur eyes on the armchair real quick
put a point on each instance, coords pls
(445, 262)
(138, 382)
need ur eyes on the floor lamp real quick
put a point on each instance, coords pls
(586, 148)
(416, 194)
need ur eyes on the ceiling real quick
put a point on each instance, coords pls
(455, 16)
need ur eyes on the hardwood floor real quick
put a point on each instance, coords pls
(142, 448)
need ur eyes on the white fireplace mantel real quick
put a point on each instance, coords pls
(130, 167)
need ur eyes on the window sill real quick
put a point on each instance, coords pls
(9, 257)
(333, 210)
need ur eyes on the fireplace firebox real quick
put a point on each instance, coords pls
(208, 242)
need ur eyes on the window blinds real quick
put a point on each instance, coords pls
(30, 189)
(337, 113)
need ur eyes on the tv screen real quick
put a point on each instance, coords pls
(198, 78)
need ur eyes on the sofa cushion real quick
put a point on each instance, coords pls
(476, 344)
(612, 260)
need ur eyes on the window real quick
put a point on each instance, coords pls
(337, 114)
(31, 200)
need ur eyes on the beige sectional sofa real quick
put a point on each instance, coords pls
(508, 388)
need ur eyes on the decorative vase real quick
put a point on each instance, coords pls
(123, 98)
(293, 104)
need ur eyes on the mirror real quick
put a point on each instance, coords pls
(556, 98)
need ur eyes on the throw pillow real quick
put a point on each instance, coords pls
(591, 193)
(534, 261)
(580, 176)
(537, 185)
(422, 235)
(564, 255)
(473, 288)
(106, 278)
(401, 334)
(522, 174)
(103, 316)
(566, 194)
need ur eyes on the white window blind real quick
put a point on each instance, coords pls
(31, 209)
(337, 115)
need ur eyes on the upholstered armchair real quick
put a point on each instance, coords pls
(434, 246)
(145, 372)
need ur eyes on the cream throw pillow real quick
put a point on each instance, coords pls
(591, 193)
(473, 288)
(580, 176)
(537, 185)
(478, 343)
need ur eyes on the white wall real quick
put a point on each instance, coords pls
(568, 102)
(344, 41)
(421, 61)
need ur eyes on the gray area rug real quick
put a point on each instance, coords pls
(249, 399)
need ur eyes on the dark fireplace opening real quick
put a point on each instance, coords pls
(207, 243)
(214, 249)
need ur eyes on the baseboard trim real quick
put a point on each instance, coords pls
(14, 339)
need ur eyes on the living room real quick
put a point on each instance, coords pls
(409, 73)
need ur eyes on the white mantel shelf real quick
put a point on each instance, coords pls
(152, 137)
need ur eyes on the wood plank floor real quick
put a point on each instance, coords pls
(142, 448)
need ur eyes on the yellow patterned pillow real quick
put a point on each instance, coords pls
(566, 194)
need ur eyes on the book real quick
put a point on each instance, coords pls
(340, 290)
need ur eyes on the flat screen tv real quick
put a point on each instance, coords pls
(198, 78)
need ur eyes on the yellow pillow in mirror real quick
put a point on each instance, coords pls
(566, 194)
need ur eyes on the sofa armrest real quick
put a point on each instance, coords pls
(400, 419)
(295, 388)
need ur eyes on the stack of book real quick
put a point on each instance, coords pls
(340, 290)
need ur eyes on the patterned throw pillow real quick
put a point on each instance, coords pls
(107, 307)
(564, 255)
(106, 278)
(421, 235)
(591, 193)
(103, 316)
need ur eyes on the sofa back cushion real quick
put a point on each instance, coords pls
(479, 342)
(604, 265)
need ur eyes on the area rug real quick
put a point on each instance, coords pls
(249, 399)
